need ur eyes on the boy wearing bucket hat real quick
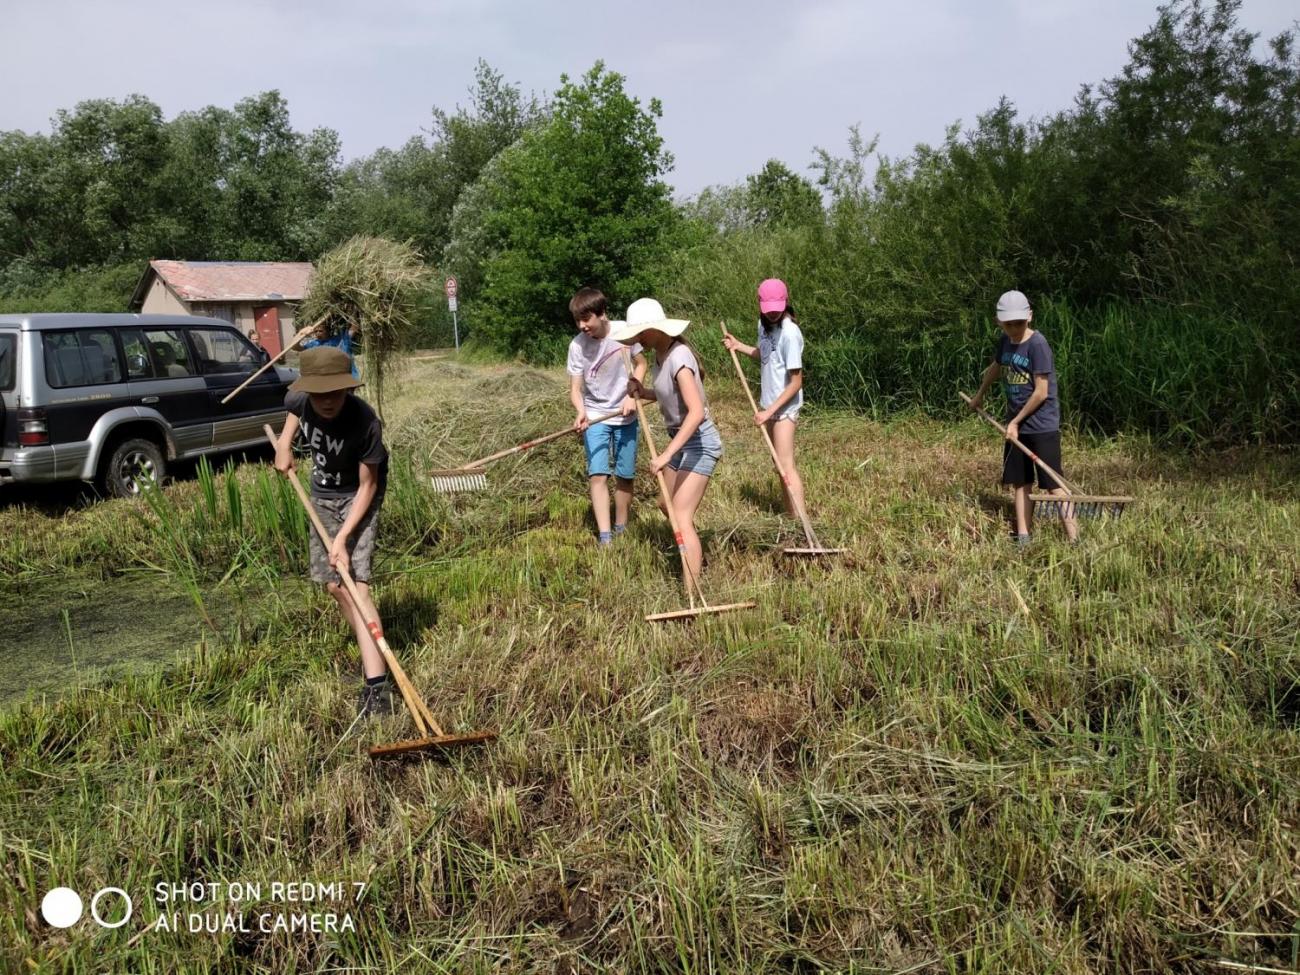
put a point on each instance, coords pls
(348, 479)
(1023, 360)
(692, 454)
(598, 386)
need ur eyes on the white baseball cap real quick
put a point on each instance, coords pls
(1013, 306)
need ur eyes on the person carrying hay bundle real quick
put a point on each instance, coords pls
(372, 289)
(342, 339)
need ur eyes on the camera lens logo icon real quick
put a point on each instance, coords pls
(62, 907)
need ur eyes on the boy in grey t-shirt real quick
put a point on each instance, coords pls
(1023, 360)
(598, 385)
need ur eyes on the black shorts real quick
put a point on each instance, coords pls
(1018, 469)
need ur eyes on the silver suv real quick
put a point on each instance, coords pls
(114, 398)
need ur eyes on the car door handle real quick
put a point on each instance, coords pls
(149, 399)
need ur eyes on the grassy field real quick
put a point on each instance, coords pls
(939, 754)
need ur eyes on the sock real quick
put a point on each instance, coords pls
(606, 538)
(1022, 539)
(375, 681)
(620, 529)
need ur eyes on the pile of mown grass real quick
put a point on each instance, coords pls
(892, 764)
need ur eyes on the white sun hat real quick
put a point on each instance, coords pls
(643, 314)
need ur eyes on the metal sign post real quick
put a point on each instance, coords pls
(450, 289)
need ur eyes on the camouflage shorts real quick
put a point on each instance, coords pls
(361, 546)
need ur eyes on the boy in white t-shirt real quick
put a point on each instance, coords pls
(598, 385)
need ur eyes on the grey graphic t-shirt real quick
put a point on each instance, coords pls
(604, 376)
(1020, 364)
(340, 446)
(671, 404)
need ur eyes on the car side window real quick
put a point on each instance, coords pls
(168, 353)
(82, 357)
(139, 364)
(222, 351)
(8, 360)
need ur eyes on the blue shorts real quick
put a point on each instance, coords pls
(702, 451)
(611, 449)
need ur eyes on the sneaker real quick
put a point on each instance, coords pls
(375, 699)
(1022, 540)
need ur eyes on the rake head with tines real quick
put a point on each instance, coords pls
(459, 480)
(1073, 503)
(1078, 505)
(472, 477)
(432, 736)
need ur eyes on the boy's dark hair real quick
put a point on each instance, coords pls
(588, 301)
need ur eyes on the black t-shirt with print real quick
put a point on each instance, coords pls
(340, 446)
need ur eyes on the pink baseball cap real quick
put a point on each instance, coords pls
(772, 296)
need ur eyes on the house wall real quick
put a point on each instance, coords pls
(241, 314)
(245, 319)
(161, 300)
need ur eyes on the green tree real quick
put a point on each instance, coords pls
(579, 201)
(775, 196)
(410, 193)
(274, 182)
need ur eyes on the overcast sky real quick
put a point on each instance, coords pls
(740, 82)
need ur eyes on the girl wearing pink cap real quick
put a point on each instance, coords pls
(780, 350)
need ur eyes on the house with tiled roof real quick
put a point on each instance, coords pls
(254, 296)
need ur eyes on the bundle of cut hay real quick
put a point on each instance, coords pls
(375, 285)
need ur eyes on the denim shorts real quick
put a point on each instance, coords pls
(606, 440)
(702, 451)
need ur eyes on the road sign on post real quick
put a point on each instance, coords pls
(450, 290)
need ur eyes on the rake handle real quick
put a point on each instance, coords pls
(529, 445)
(423, 719)
(771, 448)
(301, 334)
(1069, 488)
(687, 576)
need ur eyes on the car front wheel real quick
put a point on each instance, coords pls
(131, 466)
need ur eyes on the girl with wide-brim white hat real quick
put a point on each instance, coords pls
(692, 454)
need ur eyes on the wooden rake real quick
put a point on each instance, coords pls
(814, 548)
(473, 477)
(424, 721)
(1075, 503)
(689, 580)
(301, 334)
